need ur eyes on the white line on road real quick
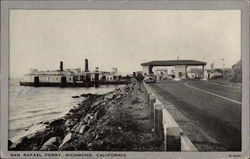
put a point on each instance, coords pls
(213, 94)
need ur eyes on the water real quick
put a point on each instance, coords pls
(28, 106)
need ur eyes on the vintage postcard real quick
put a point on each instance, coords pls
(124, 79)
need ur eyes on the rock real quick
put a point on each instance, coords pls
(68, 123)
(83, 95)
(100, 113)
(77, 106)
(26, 129)
(124, 92)
(86, 118)
(46, 122)
(83, 124)
(75, 96)
(92, 96)
(89, 95)
(91, 121)
(81, 131)
(76, 128)
(86, 128)
(119, 96)
(66, 139)
(47, 136)
(35, 148)
(67, 129)
(110, 96)
(57, 122)
(50, 145)
(90, 145)
(59, 131)
(47, 129)
(98, 102)
(72, 110)
(20, 144)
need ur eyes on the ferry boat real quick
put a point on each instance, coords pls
(73, 77)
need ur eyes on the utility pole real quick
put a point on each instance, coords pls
(223, 67)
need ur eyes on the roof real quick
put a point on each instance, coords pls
(173, 63)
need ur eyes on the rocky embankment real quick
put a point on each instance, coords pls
(101, 122)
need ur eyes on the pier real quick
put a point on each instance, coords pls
(74, 77)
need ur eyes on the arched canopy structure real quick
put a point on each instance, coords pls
(180, 66)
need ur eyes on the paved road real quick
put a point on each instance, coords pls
(215, 110)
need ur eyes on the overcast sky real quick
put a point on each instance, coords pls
(120, 38)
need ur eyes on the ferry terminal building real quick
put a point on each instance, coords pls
(180, 67)
(71, 77)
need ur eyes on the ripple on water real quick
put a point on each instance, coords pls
(40, 104)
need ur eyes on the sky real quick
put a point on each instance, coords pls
(121, 38)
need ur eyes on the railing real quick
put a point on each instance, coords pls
(166, 129)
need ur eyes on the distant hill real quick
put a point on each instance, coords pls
(235, 73)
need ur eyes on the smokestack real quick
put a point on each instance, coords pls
(86, 65)
(61, 66)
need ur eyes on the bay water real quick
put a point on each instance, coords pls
(28, 106)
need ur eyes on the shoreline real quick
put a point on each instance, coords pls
(98, 123)
(39, 106)
(48, 125)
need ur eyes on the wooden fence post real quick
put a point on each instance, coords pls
(148, 101)
(158, 123)
(151, 104)
(173, 139)
(172, 133)
(165, 127)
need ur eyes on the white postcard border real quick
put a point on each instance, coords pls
(127, 5)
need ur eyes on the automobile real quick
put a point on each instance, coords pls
(150, 78)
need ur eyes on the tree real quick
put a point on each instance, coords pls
(212, 65)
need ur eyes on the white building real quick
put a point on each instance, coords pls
(180, 67)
